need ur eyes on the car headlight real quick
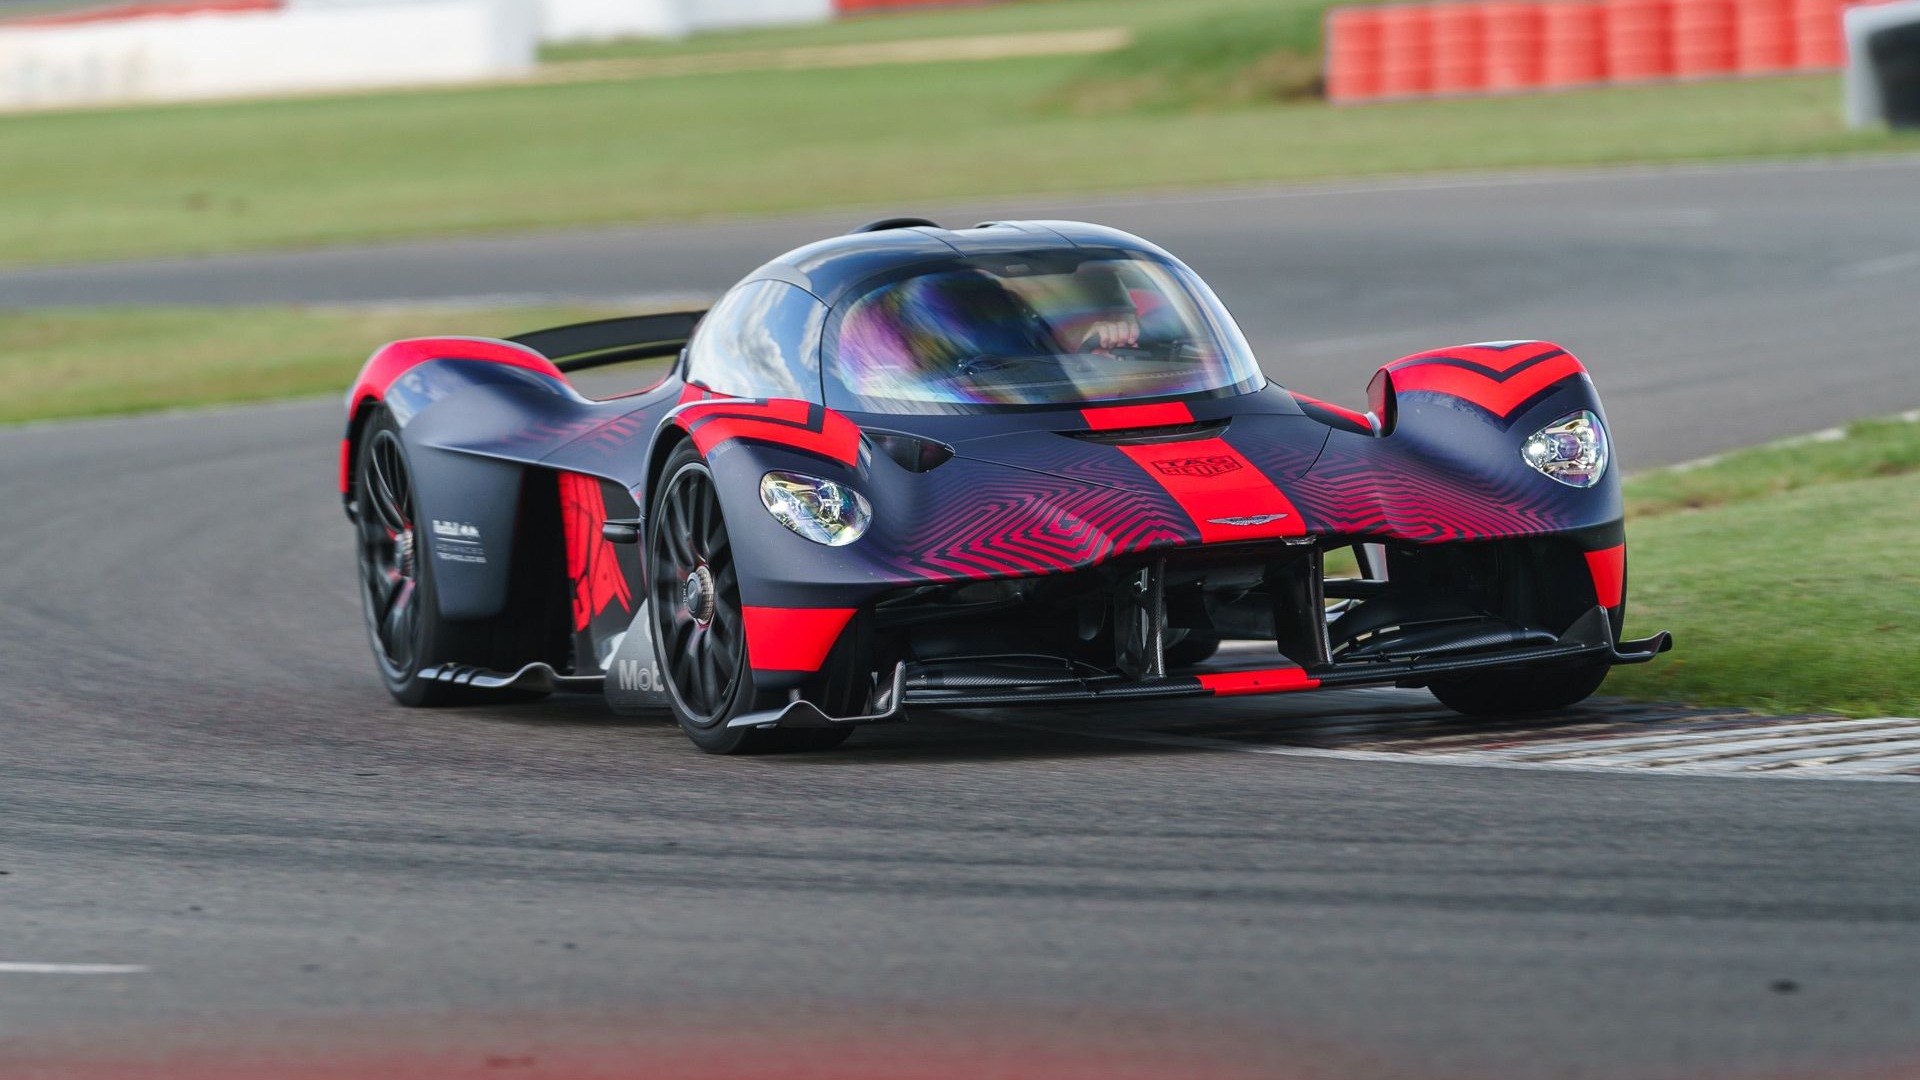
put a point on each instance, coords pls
(1572, 450)
(820, 510)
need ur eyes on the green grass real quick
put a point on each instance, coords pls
(1268, 53)
(1789, 574)
(1013, 17)
(206, 178)
(1863, 450)
(100, 361)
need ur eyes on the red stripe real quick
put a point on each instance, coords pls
(1116, 417)
(1270, 681)
(1500, 359)
(592, 564)
(125, 12)
(1213, 481)
(792, 639)
(1609, 570)
(1500, 398)
(395, 359)
(1497, 386)
(782, 422)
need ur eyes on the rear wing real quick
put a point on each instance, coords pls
(612, 341)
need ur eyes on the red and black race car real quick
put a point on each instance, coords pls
(1026, 462)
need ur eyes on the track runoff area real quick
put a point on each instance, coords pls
(1601, 735)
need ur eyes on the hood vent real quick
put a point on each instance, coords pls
(1148, 436)
(910, 452)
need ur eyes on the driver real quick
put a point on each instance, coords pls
(1116, 324)
(931, 325)
(934, 324)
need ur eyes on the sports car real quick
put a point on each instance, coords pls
(1022, 463)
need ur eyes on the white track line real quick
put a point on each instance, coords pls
(1595, 746)
(16, 967)
(1892, 264)
(1470, 759)
(1743, 752)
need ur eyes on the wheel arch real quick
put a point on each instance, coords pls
(666, 440)
(359, 413)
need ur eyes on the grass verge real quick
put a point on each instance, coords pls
(1239, 57)
(70, 363)
(1789, 574)
(183, 180)
(960, 20)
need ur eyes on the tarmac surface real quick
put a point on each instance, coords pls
(206, 796)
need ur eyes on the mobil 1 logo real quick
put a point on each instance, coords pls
(634, 681)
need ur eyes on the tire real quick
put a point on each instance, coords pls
(1517, 693)
(698, 629)
(398, 594)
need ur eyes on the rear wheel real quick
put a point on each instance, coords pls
(698, 626)
(396, 573)
(1503, 693)
(398, 592)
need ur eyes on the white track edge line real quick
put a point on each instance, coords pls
(1458, 760)
(18, 967)
(1680, 739)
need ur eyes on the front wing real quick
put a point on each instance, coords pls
(990, 682)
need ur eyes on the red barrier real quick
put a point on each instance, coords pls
(1763, 36)
(1817, 41)
(1512, 35)
(1406, 50)
(147, 9)
(1574, 43)
(1703, 44)
(1459, 48)
(1353, 54)
(1639, 40)
(1462, 46)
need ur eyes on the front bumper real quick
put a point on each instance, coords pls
(1005, 681)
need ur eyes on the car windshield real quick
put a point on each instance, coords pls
(1038, 328)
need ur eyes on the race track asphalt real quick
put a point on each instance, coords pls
(201, 777)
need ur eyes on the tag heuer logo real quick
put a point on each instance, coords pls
(1196, 466)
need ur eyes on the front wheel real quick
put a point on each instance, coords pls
(698, 627)
(1515, 693)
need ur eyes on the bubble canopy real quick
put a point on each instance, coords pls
(1060, 326)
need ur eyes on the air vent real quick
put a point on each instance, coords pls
(911, 452)
(1147, 436)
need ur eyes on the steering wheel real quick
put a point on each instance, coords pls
(985, 362)
(1123, 352)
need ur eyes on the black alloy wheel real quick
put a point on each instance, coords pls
(693, 598)
(696, 599)
(398, 591)
(390, 557)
